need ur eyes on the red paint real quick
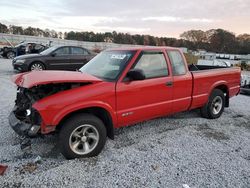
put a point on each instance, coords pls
(129, 102)
(2, 169)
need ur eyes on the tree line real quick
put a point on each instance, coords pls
(214, 40)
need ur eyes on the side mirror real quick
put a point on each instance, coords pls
(136, 74)
(53, 54)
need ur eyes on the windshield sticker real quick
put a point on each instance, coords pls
(118, 56)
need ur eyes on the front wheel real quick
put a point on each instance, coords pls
(37, 66)
(215, 105)
(83, 135)
(11, 55)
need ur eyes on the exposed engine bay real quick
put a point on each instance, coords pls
(27, 97)
(24, 119)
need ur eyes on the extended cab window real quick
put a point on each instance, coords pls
(177, 62)
(153, 64)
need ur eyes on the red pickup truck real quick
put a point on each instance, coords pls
(119, 87)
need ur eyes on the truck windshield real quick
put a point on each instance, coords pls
(108, 64)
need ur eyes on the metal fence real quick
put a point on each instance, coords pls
(15, 39)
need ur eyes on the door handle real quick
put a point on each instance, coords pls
(169, 84)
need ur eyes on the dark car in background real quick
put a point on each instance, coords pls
(21, 49)
(245, 83)
(54, 58)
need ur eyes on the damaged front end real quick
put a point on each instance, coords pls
(24, 119)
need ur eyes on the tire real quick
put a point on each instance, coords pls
(37, 66)
(80, 131)
(215, 105)
(11, 55)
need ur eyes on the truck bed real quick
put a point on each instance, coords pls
(193, 67)
(207, 77)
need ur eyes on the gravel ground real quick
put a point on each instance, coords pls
(183, 150)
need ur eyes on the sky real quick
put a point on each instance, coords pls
(163, 18)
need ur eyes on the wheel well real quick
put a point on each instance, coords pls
(224, 89)
(37, 62)
(98, 112)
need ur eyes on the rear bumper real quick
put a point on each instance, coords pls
(22, 128)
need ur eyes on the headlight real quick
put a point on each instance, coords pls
(20, 61)
(28, 112)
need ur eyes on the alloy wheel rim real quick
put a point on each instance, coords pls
(36, 67)
(84, 139)
(11, 55)
(217, 105)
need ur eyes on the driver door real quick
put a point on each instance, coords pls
(145, 99)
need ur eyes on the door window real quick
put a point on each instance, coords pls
(79, 51)
(153, 64)
(62, 51)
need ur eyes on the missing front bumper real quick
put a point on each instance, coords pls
(21, 128)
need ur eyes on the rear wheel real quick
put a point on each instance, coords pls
(215, 105)
(11, 55)
(37, 66)
(83, 135)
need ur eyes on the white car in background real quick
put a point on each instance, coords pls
(245, 76)
(215, 62)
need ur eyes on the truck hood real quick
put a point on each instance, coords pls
(35, 78)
